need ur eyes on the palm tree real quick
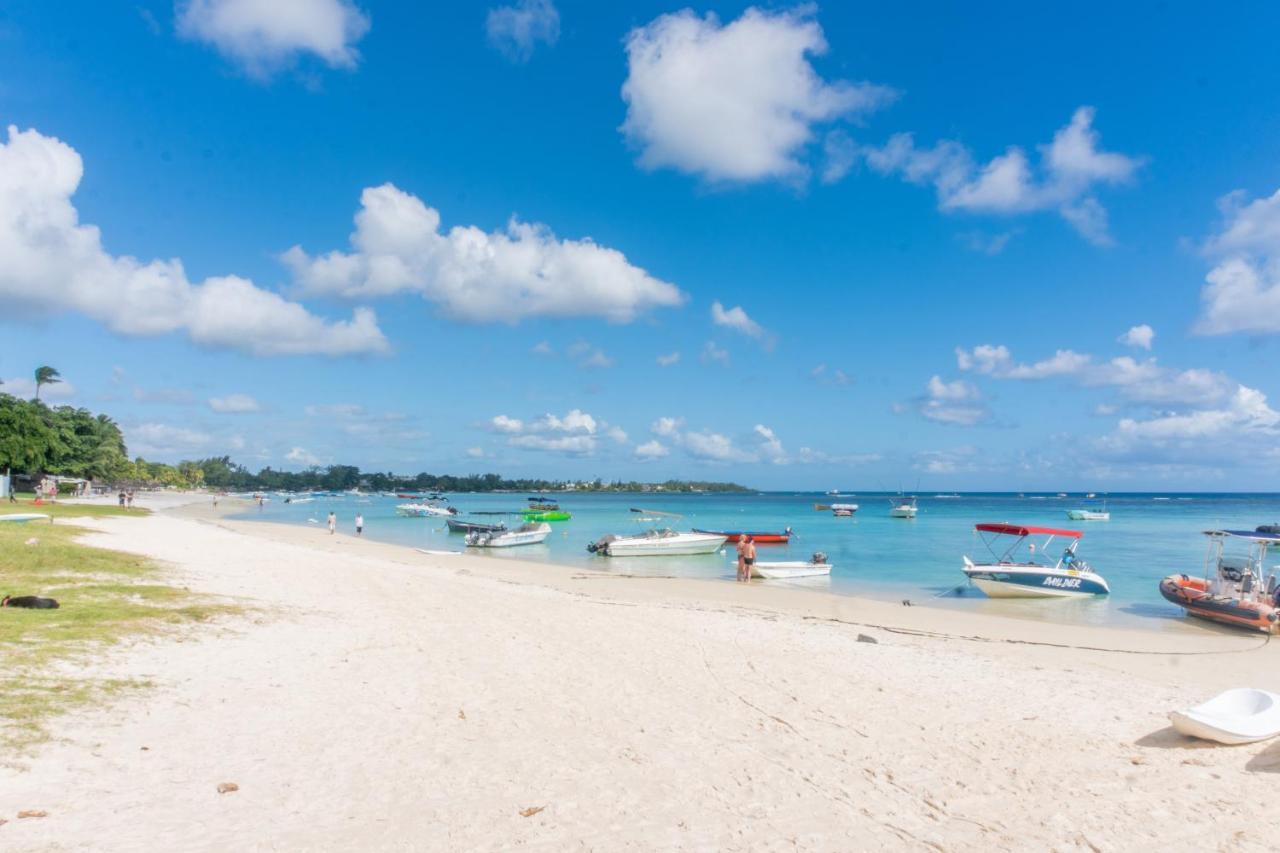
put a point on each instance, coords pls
(46, 376)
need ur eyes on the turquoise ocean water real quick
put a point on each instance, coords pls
(1149, 536)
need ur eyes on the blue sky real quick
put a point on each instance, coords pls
(890, 246)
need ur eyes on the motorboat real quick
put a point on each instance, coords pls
(903, 507)
(843, 513)
(421, 510)
(458, 525)
(658, 542)
(531, 533)
(1232, 591)
(1242, 715)
(1088, 515)
(816, 566)
(556, 514)
(759, 538)
(1036, 575)
(838, 509)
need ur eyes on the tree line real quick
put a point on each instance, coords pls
(37, 439)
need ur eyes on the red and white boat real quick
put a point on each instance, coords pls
(735, 536)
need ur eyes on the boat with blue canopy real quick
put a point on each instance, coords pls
(1021, 566)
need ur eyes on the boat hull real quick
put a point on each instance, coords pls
(760, 538)
(545, 515)
(1008, 581)
(457, 526)
(22, 517)
(1192, 595)
(686, 545)
(794, 569)
(903, 512)
(1088, 515)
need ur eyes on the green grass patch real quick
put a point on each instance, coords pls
(61, 509)
(106, 597)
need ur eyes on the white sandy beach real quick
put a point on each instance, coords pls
(382, 699)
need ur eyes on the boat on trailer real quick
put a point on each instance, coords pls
(1232, 591)
(1007, 576)
(760, 538)
(532, 533)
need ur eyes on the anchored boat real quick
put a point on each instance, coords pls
(1037, 575)
(525, 534)
(421, 510)
(657, 542)
(1232, 591)
(457, 525)
(760, 538)
(903, 507)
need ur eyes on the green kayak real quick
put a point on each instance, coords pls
(545, 515)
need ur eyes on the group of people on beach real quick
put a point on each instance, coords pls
(125, 499)
(746, 557)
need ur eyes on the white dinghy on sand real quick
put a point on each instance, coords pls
(1242, 715)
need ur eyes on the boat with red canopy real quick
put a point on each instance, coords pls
(1020, 565)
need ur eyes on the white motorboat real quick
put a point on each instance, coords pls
(784, 570)
(421, 510)
(1242, 715)
(532, 533)
(903, 507)
(844, 510)
(1004, 576)
(1088, 515)
(25, 516)
(663, 542)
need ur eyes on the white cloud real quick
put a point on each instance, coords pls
(667, 426)
(502, 423)
(1238, 429)
(957, 461)
(542, 348)
(234, 404)
(1242, 293)
(166, 441)
(712, 354)
(334, 410)
(736, 318)
(263, 37)
(956, 403)
(302, 456)
(618, 434)
(575, 434)
(669, 359)
(824, 376)
(736, 101)
(652, 450)
(1139, 381)
(770, 445)
(713, 447)
(1070, 168)
(987, 244)
(1138, 337)
(477, 276)
(589, 357)
(53, 263)
(476, 452)
(515, 30)
(25, 388)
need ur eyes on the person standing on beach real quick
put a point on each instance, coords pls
(748, 557)
(741, 548)
(333, 522)
(359, 524)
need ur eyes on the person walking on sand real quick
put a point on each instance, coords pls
(748, 557)
(359, 524)
(333, 522)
